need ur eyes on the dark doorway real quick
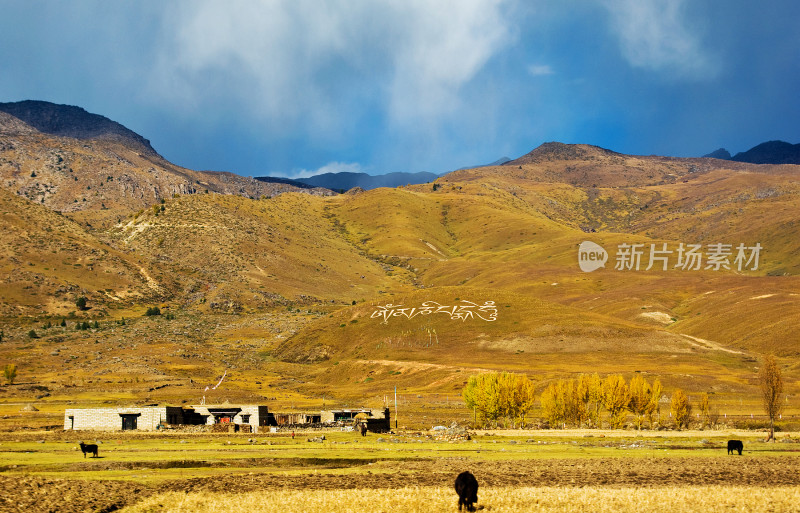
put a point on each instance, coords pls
(129, 421)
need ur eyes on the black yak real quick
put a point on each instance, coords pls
(88, 449)
(735, 445)
(363, 428)
(467, 490)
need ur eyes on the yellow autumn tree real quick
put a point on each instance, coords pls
(592, 387)
(641, 395)
(616, 397)
(523, 397)
(481, 394)
(681, 408)
(493, 395)
(705, 409)
(771, 382)
(654, 407)
(553, 404)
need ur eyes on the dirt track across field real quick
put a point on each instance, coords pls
(33, 494)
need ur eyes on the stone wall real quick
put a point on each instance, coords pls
(110, 419)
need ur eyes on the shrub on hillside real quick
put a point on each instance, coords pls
(10, 373)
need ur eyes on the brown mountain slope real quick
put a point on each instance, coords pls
(233, 253)
(99, 181)
(47, 261)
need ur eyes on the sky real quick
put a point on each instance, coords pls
(299, 87)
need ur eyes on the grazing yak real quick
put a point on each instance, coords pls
(363, 428)
(735, 445)
(88, 449)
(467, 490)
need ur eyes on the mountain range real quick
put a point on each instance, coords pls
(771, 152)
(345, 181)
(299, 292)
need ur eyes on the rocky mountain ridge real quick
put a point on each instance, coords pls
(74, 122)
(90, 165)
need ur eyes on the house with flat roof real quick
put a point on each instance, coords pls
(150, 418)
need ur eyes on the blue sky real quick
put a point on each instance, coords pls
(293, 88)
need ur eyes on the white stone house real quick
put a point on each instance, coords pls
(150, 418)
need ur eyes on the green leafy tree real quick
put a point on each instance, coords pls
(80, 303)
(770, 381)
(32, 334)
(10, 372)
(153, 310)
(681, 408)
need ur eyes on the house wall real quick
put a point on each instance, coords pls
(377, 421)
(149, 417)
(250, 414)
(110, 419)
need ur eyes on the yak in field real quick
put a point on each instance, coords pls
(467, 490)
(735, 445)
(88, 449)
(363, 429)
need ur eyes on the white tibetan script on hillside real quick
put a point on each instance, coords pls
(462, 311)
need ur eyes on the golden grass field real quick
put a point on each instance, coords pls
(668, 499)
(572, 470)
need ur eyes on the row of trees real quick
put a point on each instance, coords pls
(495, 395)
(582, 401)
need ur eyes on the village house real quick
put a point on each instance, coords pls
(243, 417)
(150, 418)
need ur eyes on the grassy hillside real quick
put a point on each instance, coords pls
(286, 293)
(48, 261)
(234, 253)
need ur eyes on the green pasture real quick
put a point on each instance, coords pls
(161, 456)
